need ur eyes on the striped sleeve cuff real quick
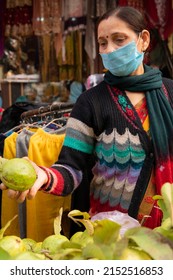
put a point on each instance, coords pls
(55, 183)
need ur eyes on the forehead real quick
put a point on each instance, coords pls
(113, 25)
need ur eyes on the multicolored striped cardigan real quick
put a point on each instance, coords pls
(123, 152)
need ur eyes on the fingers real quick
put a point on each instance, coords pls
(22, 196)
(32, 192)
(18, 196)
(3, 187)
(13, 194)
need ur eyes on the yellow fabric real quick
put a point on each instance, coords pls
(44, 149)
(10, 146)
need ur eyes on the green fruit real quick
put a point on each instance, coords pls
(76, 236)
(37, 247)
(18, 174)
(12, 244)
(2, 161)
(82, 237)
(53, 242)
(4, 255)
(134, 254)
(29, 256)
(29, 243)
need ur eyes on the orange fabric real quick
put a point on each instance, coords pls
(148, 202)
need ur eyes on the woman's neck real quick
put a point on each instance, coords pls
(135, 97)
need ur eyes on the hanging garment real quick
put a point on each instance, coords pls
(43, 149)
(22, 142)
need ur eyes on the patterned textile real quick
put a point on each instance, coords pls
(160, 114)
(124, 153)
(46, 17)
(18, 18)
(160, 16)
(137, 4)
(119, 153)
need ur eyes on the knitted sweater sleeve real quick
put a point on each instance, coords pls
(77, 152)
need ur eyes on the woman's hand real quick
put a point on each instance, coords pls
(30, 194)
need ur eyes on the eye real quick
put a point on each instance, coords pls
(119, 40)
(102, 44)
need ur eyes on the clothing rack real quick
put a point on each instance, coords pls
(59, 107)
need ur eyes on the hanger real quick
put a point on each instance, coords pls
(59, 125)
(14, 129)
(58, 108)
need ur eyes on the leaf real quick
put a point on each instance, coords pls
(167, 194)
(78, 213)
(67, 254)
(145, 238)
(106, 231)
(162, 205)
(93, 251)
(119, 247)
(168, 233)
(2, 230)
(83, 218)
(57, 222)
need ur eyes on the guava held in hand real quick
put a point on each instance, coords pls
(2, 161)
(18, 174)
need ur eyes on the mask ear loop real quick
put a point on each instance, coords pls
(139, 36)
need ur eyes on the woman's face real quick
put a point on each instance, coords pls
(114, 33)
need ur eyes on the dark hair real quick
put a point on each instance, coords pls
(134, 19)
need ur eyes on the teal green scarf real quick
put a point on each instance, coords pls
(160, 116)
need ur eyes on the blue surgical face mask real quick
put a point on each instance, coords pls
(123, 61)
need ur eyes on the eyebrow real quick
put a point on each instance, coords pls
(115, 33)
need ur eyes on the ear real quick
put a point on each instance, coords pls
(145, 36)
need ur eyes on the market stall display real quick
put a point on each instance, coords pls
(101, 239)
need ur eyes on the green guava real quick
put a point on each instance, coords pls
(12, 244)
(4, 255)
(2, 161)
(82, 237)
(29, 243)
(29, 255)
(53, 242)
(18, 174)
(37, 247)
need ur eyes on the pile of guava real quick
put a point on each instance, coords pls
(101, 239)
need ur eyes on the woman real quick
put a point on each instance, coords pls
(126, 122)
